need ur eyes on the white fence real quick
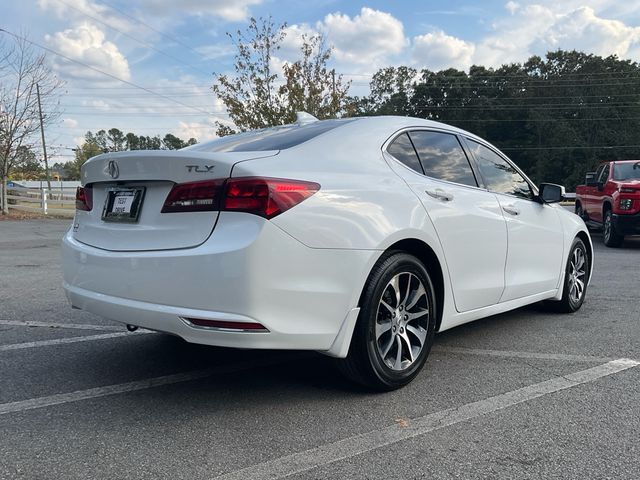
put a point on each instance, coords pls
(57, 201)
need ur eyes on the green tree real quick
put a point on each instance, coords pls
(310, 86)
(171, 142)
(83, 153)
(253, 96)
(27, 166)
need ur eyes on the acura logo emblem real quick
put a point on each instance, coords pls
(112, 169)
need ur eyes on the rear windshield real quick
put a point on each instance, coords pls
(626, 171)
(273, 138)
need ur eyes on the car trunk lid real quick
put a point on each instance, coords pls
(149, 176)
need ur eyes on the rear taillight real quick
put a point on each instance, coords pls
(84, 198)
(193, 197)
(266, 197)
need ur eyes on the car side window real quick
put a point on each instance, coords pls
(604, 176)
(442, 157)
(498, 174)
(403, 151)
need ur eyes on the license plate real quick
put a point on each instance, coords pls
(123, 204)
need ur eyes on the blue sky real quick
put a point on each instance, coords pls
(172, 47)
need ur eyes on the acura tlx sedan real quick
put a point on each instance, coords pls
(357, 238)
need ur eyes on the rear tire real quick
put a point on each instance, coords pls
(576, 278)
(579, 211)
(396, 325)
(610, 237)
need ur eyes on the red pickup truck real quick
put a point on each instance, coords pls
(610, 198)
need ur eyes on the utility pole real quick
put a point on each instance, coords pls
(44, 146)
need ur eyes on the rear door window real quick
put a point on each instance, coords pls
(402, 150)
(442, 157)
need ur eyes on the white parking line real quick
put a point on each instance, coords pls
(61, 341)
(534, 355)
(76, 326)
(97, 392)
(357, 445)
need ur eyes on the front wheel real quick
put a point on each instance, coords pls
(610, 236)
(396, 325)
(576, 278)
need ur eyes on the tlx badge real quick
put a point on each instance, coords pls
(200, 168)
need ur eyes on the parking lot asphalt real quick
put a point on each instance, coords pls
(526, 394)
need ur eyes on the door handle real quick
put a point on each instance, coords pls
(440, 194)
(511, 210)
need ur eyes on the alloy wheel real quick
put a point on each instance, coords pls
(577, 275)
(402, 321)
(607, 226)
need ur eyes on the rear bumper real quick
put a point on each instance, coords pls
(626, 224)
(249, 270)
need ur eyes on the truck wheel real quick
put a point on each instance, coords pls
(610, 236)
(579, 211)
(396, 325)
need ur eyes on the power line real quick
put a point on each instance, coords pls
(95, 69)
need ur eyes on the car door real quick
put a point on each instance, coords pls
(599, 194)
(535, 236)
(589, 200)
(467, 219)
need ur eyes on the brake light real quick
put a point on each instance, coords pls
(193, 197)
(84, 198)
(266, 197)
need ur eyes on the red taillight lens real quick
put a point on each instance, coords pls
(266, 197)
(84, 198)
(193, 197)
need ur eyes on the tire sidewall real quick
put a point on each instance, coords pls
(607, 222)
(577, 244)
(399, 263)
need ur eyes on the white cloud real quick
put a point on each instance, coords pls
(437, 50)
(97, 104)
(536, 29)
(70, 122)
(201, 131)
(215, 51)
(368, 39)
(86, 43)
(512, 7)
(230, 10)
(582, 29)
(80, 9)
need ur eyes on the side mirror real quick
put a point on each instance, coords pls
(551, 193)
(590, 179)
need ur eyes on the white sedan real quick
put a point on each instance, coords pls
(358, 238)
